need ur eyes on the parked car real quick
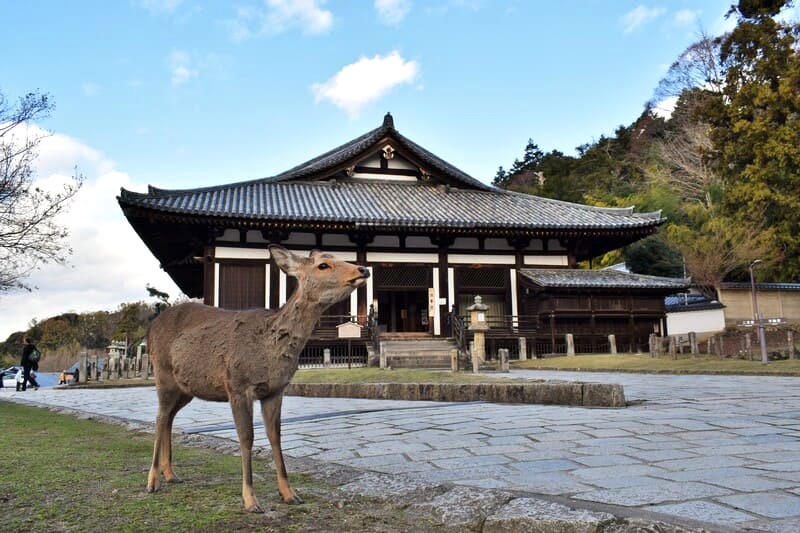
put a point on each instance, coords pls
(8, 377)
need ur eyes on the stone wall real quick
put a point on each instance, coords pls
(573, 393)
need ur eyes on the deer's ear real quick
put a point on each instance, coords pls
(286, 260)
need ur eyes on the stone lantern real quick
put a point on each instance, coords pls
(478, 325)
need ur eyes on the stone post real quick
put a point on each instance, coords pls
(145, 365)
(790, 342)
(523, 349)
(693, 349)
(721, 347)
(82, 370)
(128, 364)
(652, 344)
(478, 325)
(382, 355)
(612, 344)
(748, 346)
(95, 372)
(570, 344)
(326, 357)
(673, 352)
(502, 354)
(454, 360)
(140, 350)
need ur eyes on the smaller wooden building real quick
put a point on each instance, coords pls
(592, 304)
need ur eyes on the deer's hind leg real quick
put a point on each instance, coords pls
(170, 401)
(242, 407)
(271, 411)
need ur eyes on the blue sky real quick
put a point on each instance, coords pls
(187, 93)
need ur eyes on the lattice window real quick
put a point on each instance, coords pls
(405, 277)
(482, 278)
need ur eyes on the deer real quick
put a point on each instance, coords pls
(205, 352)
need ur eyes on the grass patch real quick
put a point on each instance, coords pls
(400, 375)
(65, 474)
(684, 364)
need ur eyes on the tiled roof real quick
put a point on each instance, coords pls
(382, 203)
(761, 286)
(605, 279)
(299, 195)
(351, 149)
(677, 303)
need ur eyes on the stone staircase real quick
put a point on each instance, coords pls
(417, 352)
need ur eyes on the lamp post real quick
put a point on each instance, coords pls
(757, 316)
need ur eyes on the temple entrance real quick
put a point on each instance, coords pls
(401, 292)
(403, 311)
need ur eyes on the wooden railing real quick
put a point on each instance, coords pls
(458, 331)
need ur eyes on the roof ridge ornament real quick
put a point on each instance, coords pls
(388, 121)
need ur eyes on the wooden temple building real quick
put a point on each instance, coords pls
(432, 236)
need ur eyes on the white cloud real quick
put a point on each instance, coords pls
(665, 107)
(278, 16)
(640, 16)
(392, 12)
(365, 81)
(160, 6)
(686, 17)
(182, 67)
(789, 14)
(110, 264)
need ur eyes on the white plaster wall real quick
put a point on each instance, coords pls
(701, 322)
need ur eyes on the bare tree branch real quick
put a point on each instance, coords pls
(30, 234)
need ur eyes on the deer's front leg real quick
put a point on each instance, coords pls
(271, 411)
(242, 408)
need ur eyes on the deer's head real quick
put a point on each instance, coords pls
(321, 276)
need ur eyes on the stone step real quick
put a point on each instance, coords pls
(418, 362)
(418, 353)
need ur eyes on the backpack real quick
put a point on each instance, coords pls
(34, 356)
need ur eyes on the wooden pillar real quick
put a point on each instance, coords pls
(274, 285)
(444, 290)
(632, 325)
(361, 292)
(443, 242)
(208, 275)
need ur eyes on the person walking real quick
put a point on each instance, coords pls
(29, 360)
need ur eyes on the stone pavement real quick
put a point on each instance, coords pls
(721, 450)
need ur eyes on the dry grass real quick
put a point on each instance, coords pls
(684, 364)
(65, 474)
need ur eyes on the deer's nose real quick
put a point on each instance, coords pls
(364, 272)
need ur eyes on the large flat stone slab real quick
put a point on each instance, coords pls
(462, 506)
(399, 489)
(545, 393)
(531, 515)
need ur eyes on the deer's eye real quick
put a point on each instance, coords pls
(323, 266)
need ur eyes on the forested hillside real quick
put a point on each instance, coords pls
(724, 167)
(61, 338)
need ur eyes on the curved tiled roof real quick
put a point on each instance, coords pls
(299, 195)
(603, 279)
(384, 203)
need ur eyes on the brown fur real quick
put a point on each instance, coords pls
(240, 357)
